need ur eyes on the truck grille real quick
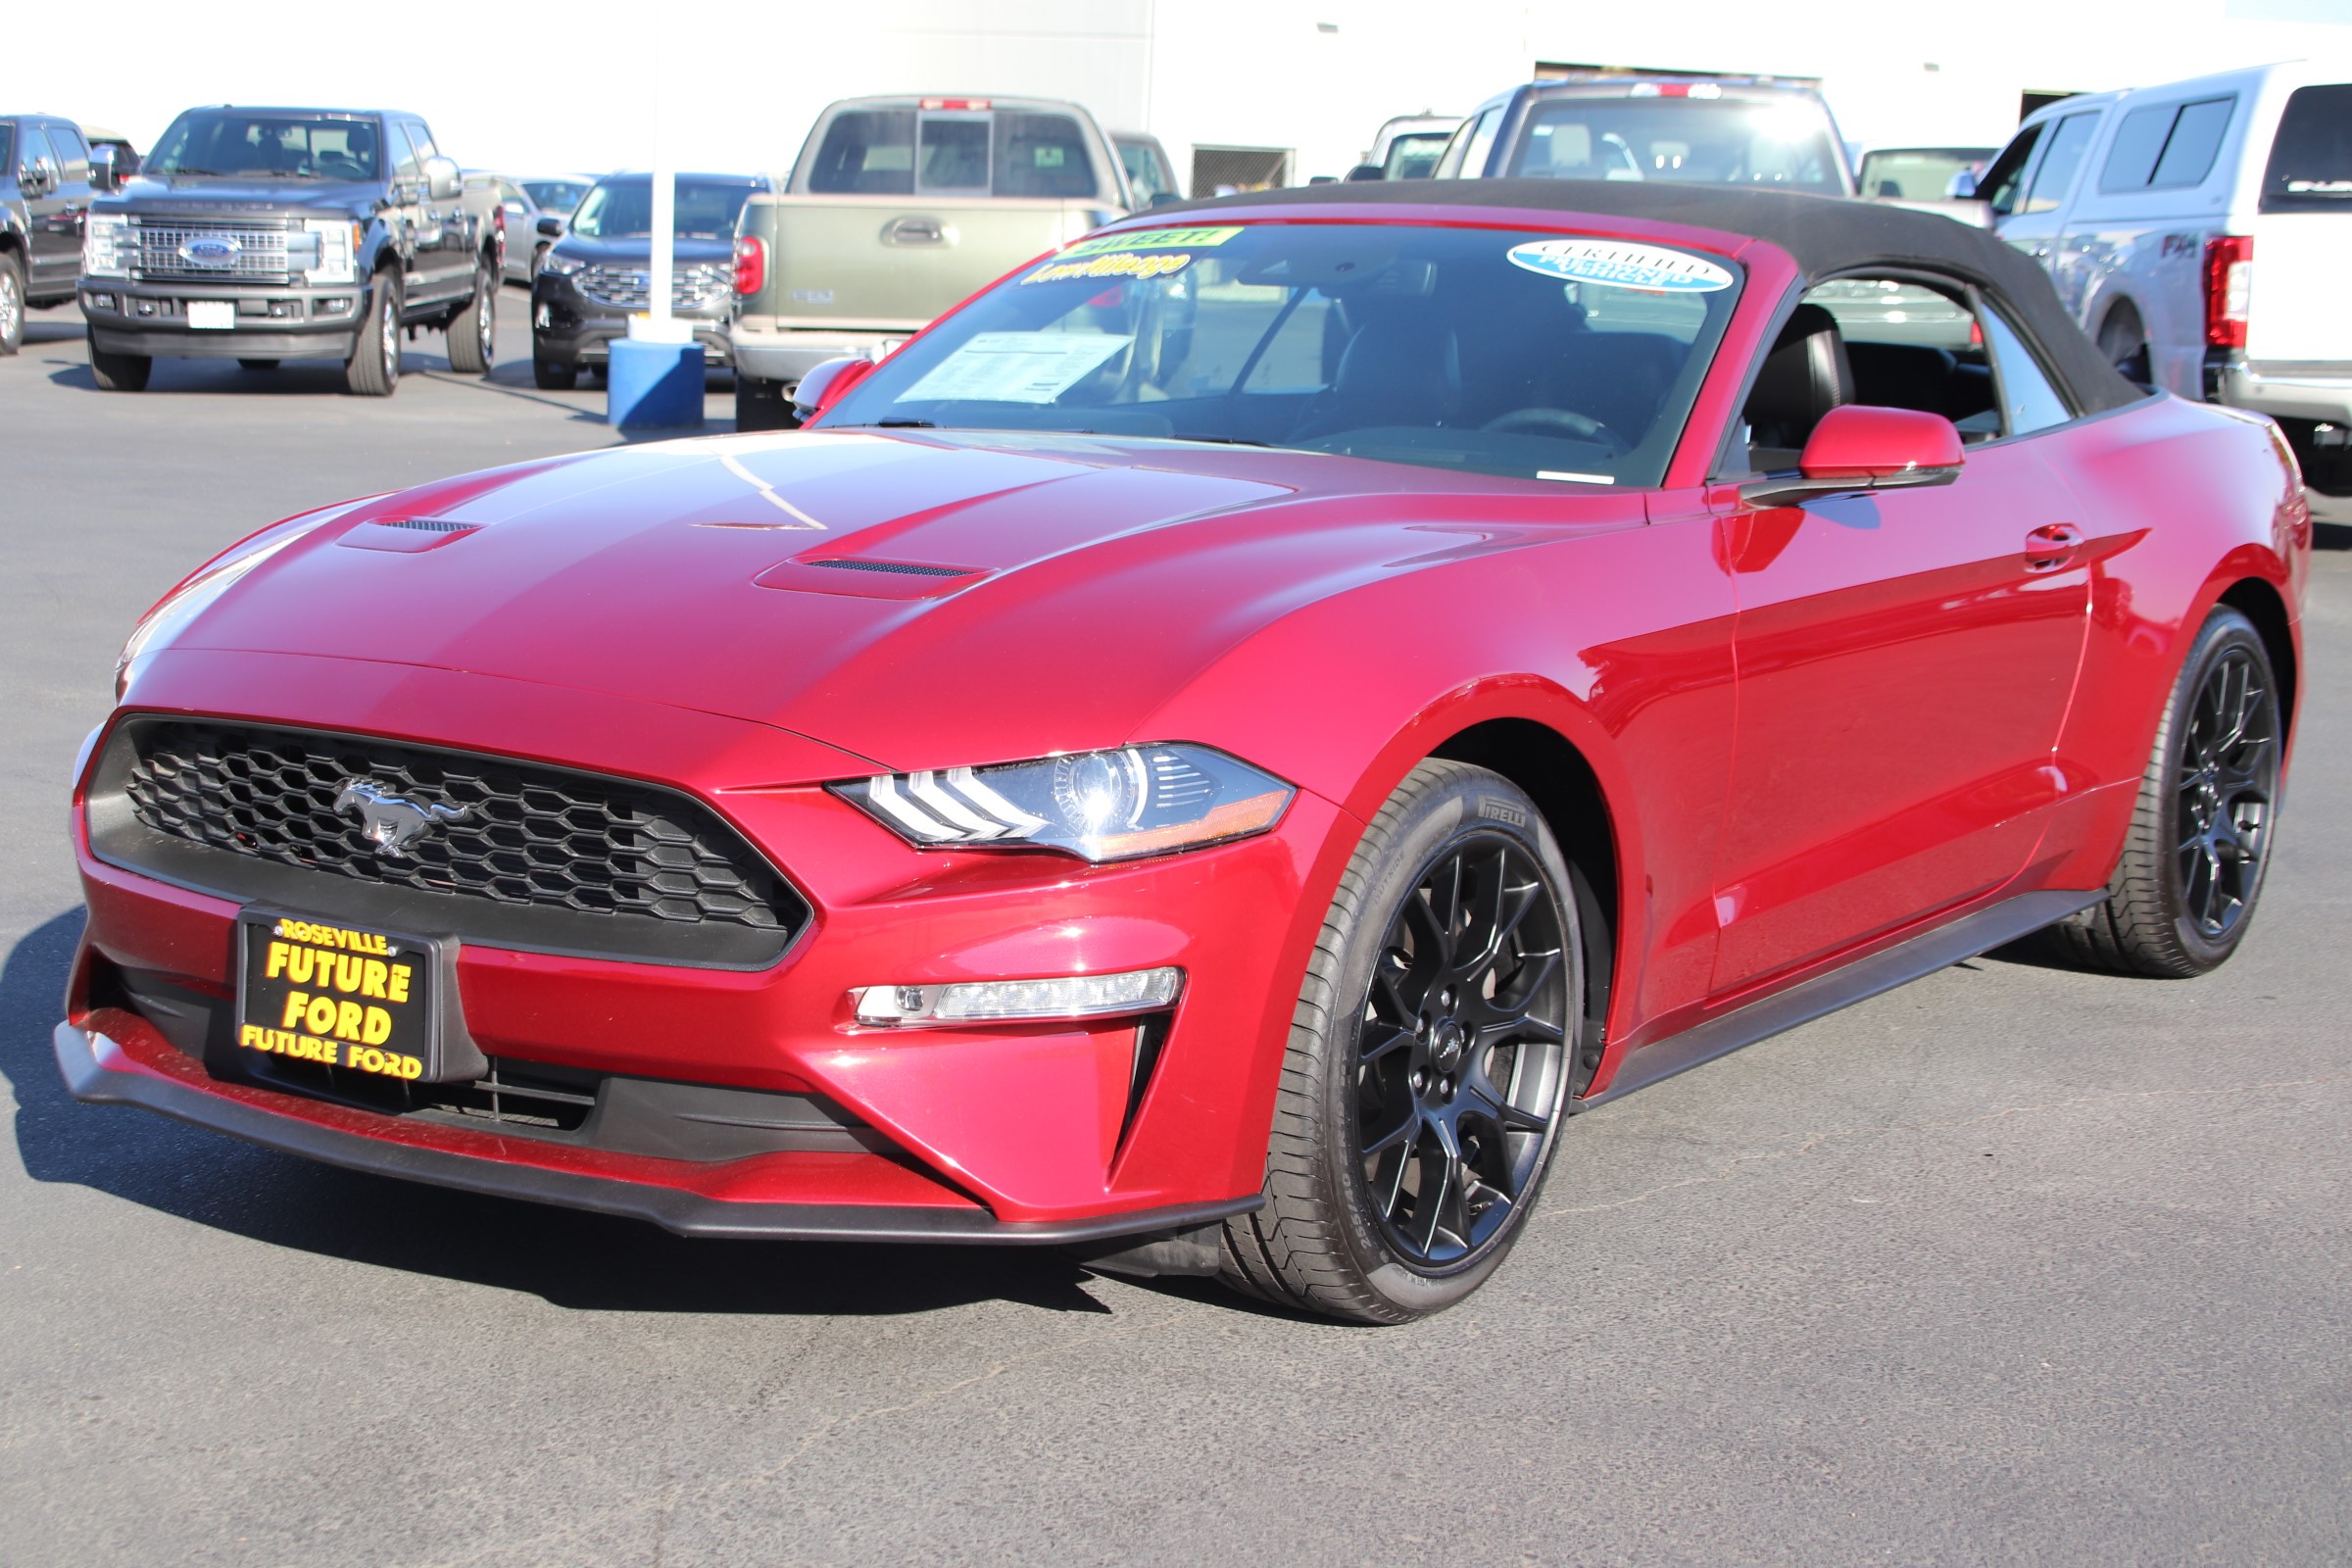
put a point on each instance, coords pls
(550, 858)
(218, 251)
(633, 286)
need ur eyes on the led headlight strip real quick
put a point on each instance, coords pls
(1083, 995)
(1099, 806)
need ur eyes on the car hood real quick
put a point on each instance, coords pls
(207, 196)
(637, 250)
(920, 600)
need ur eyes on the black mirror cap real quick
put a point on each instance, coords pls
(552, 228)
(1365, 172)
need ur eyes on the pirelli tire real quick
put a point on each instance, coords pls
(373, 369)
(473, 331)
(119, 372)
(1364, 1216)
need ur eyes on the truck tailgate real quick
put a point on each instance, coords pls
(889, 262)
(2301, 307)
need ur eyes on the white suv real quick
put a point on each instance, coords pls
(2201, 232)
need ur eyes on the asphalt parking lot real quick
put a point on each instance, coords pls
(2015, 1264)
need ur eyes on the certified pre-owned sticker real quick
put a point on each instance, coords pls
(1619, 265)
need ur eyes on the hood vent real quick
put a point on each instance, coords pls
(407, 537)
(905, 568)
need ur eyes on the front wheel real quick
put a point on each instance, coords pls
(119, 372)
(472, 335)
(12, 304)
(2184, 893)
(373, 369)
(1429, 1063)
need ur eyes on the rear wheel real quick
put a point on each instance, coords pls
(2192, 868)
(373, 369)
(2126, 345)
(119, 372)
(763, 404)
(12, 304)
(1429, 1061)
(472, 334)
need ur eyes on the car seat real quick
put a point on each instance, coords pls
(1397, 371)
(1804, 376)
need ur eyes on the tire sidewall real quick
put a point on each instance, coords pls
(2224, 630)
(1471, 804)
(12, 279)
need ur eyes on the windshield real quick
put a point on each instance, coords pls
(262, 144)
(555, 195)
(1485, 350)
(1717, 141)
(1412, 155)
(1923, 173)
(623, 209)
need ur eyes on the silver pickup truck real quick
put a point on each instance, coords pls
(896, 208)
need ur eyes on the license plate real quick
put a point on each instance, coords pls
(338, 995)
(212, 315)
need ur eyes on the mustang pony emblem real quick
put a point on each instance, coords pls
(392, 823)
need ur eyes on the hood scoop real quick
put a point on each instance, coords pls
(407, 537)
(861, 579)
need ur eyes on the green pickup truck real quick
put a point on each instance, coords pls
(896, 208)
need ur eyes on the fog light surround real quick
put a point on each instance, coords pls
(1083, 995)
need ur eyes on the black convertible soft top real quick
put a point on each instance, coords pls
(1826, 235)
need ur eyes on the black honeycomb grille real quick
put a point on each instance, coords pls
(528, 837)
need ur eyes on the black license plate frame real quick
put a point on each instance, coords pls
(377, 992)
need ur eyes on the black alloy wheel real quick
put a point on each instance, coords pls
(2226, 784)
(1461, 1052)
(2184, 889)
(1432, 1050)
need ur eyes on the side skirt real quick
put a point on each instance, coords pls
(1842, 987)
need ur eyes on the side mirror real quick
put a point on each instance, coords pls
(442, 182)
(1860, 448)
(1963, 186)
(552, 228)
(105, 177)
(1168, 198)
(827, 384)
(1367, 172)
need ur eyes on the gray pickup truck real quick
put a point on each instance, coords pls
(268, 234)
(896, 208)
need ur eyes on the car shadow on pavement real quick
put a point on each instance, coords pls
(592, 1262)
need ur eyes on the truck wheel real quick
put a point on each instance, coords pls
(12, 304)
(119, 372)
(373, 369)
(2125, 346)
(257, 364)
(472, 335)
(761, 405)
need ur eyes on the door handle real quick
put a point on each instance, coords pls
(916, 231)
(2052, 546)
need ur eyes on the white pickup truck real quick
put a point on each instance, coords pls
(896, 208)
(2201, 231)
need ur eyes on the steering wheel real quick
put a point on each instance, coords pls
(1562, 423)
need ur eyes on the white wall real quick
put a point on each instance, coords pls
(1242, 72)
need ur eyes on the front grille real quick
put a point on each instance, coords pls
(615, 865)
(633, 286)
(159, 249)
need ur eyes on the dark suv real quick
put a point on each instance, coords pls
(600, 271)
(41, 209)
(268, 234)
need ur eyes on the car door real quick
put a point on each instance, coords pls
(52, 237)
(1905, 659)
(444, 263)
(2030, 211)
(73, 195)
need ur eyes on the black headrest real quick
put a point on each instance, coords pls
(1410, 364)
(1804, 376)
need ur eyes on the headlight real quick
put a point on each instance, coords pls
(559, 266)
(1099, 806)
(322, 249)
(101, 248)
(1081, 996)
(176, 609)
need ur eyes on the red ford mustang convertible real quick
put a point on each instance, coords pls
(1211, 753)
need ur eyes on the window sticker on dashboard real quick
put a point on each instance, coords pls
(1117, 265)
(1154, 239)
(1016, 366)
(1618, 265)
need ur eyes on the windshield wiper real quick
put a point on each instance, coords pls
(893, 425)
(1216, 440)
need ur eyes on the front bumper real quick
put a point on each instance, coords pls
(273, 321)
(568, 328)
(1018, 1132)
